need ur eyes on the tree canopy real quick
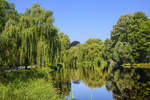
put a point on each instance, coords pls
(133, 30)
(32, 39)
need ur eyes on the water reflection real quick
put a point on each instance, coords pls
(130, 84)
(108, 83)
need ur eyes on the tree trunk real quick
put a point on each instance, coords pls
(26, 67)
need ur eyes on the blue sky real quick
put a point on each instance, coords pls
(83, 19)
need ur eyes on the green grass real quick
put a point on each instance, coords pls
(32, 84)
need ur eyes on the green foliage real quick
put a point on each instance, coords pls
(132, 30)
(108, 50)
(127, 27)
(35, 38)
(141, 49)
(122, 53)
(7, 11)
(36, 11)
(64, 46)
(92, 51)
(89, 53)
(7, 52)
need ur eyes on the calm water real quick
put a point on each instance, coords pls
(83, 92)
(102, 84)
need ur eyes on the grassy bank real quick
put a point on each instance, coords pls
(34, 84)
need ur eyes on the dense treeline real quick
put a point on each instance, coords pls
(129, 43)
(32, 39)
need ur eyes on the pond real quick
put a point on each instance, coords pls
(95, 83)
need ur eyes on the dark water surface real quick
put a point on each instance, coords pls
(95, 83)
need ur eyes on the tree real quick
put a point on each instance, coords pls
(7, 11)
(142, 45)
(65, 45)
(92, 51)
(129, 29)
(121, 29)
(7, 53)
(74, 43)
(122, 53)
(35, 37)
(87, 54)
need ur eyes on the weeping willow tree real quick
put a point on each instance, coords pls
(34, 36)
(64, 46)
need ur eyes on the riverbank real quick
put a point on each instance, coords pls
(141, 65)
(33, 84)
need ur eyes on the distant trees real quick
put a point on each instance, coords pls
(92, 51)
(74, 43)
(87, 54)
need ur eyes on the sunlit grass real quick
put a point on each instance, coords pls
(28, 85)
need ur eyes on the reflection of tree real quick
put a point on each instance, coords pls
(125, 84)
(130, 84)
(61, 82)
(92, 77)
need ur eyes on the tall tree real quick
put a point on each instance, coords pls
(129, 29)
(35, 37)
